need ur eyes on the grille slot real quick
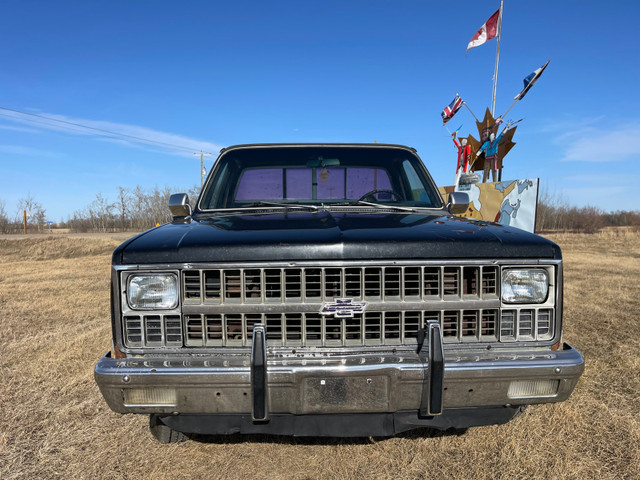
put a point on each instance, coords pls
(526, 321)
(545, 317)
(508, 326)
(192, 285)
(451, 281)
(133, 330)
(470, 324)
(489, 326)
(450, 325)
(173, 331)
(212, 284)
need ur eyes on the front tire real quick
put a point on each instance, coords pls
(164, 433)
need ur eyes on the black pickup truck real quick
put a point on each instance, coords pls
(328, 290)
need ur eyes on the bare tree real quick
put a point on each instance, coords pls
(101, 213)
(4, 219)
(36, 214)
(122, 205)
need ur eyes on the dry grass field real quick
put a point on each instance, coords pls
(54, 324)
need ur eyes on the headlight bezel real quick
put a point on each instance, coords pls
(146, 307)
(508, 297)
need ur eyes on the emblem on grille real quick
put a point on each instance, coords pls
(343, 308)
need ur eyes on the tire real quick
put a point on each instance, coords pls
(520, 411)
(163, 433)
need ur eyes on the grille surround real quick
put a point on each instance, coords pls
(400, 296)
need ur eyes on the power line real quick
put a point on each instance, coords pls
(181, 147)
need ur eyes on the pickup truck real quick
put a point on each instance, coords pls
(328, 290)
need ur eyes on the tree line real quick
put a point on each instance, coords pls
(555, 214)
(137, 209)
(133, 209)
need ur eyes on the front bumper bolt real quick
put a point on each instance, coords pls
(126, 379)
(557, 370)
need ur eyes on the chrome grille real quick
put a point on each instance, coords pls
(306, 329)
(312, 285)
(220, 305)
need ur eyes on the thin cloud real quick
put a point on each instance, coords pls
(28, 151)
(130, 135)
(588, 143)
(18, 129)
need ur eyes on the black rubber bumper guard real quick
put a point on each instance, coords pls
(432, 359)
(260, 409)
(433, 384)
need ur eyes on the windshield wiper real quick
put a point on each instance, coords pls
(376, 205)
(288, 206)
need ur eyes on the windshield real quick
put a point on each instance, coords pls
(314, 175)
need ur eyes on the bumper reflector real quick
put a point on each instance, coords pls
(533, 388)
(144, 397)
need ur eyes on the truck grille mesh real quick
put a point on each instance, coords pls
(296, 285)
(369, 328)
(220, 306)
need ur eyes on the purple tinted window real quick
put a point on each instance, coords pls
(364, 180)
(298, 183)
(260, 184)
(330, 183)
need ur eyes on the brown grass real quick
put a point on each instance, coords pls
(53, 422)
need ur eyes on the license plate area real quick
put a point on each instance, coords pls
(345, 394)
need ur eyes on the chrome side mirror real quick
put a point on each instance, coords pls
(458, 202)
(179, 206)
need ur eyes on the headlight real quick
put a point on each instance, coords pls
(529, 285)
(152, 291)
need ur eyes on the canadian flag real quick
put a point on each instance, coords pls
(487, 31)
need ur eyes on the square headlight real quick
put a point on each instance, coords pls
(152, 291)
(525, 285)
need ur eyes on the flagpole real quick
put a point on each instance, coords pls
(471, 112)
(495, 75)
(505, 113)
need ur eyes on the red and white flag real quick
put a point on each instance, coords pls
(487, 31)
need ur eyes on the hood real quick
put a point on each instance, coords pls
(324, 235)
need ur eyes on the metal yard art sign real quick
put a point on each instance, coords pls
(510, 203)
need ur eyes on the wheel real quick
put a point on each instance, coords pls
(373, 192)
(164, 433)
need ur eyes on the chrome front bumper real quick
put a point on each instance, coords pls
(313, 384)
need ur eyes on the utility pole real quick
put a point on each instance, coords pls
(202, 155)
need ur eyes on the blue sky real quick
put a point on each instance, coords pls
(202, 75)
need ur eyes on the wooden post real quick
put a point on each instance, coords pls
(24, 220)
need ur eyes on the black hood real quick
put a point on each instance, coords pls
(296, 236)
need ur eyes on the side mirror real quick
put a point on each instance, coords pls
(458, 202)
(179, 206)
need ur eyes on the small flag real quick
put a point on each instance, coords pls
(451, 109)
(530, 80)
(487, 31)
